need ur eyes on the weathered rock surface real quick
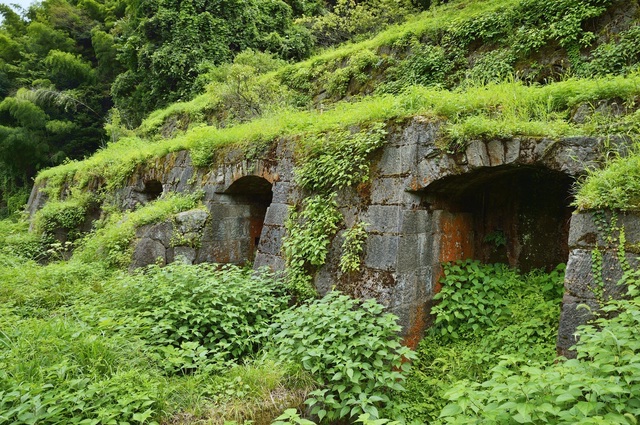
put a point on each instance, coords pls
(595, 236)
(498, 200)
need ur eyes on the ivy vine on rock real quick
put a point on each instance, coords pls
(328, 162)
(352, 247)
(309, 233)
(614, 237)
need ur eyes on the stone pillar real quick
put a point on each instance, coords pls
(594, 235)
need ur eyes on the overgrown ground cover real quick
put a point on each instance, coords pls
(87, 342)
(83, 341)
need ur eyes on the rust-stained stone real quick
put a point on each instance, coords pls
(424, 207)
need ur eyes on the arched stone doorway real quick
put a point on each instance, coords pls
(255, 193)
(237, 217)
(517, 215)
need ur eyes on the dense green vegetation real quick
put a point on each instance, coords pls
(84, 343)
(201, 341)
(67, 63)
(82, 340)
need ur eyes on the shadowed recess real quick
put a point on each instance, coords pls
(518, 215)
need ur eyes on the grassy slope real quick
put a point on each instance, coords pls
(499, 110)
(471, 111)
(436, 20)
(46, 306)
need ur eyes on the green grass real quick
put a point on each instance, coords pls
(429, 23)
(112, 242)
(66, 356)
(616, 186)
(191, 108)
(497, 110)
(438, 19)
(386, 61)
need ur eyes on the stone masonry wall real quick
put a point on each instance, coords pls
(410, 204)
(591, 231)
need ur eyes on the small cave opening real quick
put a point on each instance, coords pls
(514, 215)
(152, 190)
(256, 193)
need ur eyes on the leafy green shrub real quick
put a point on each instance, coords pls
(352, 350)
(600, 386)
(487, 27)
(197, 316)
(532, 24)
(300, 80)
(352, 247)
(617, 57)
(358, 69)
(529, 330)
(242, 88)
(473, 297)
(439, 365)
(476, 296)
(349, 19)
(66, 215)
(15, 239)
(494, 66)
(428, 65)
(291, 417)
(124, 397)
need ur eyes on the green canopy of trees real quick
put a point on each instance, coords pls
(66, 66)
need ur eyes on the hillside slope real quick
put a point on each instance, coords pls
(293, 159)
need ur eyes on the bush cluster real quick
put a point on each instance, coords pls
(351, 349)
(485, 311)
(201, 315)
(599, 386)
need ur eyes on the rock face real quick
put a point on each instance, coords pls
(595, 267)
(164, 243)
(501, 200)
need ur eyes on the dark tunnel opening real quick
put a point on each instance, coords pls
(514, 215)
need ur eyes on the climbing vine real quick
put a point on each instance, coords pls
(306, 245)
(352, 247)
(614, 237)
(327, 163)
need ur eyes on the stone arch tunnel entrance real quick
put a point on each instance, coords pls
(250, 197)
(518, 215)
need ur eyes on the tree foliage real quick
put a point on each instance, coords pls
(55, 93)
(165, 45)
